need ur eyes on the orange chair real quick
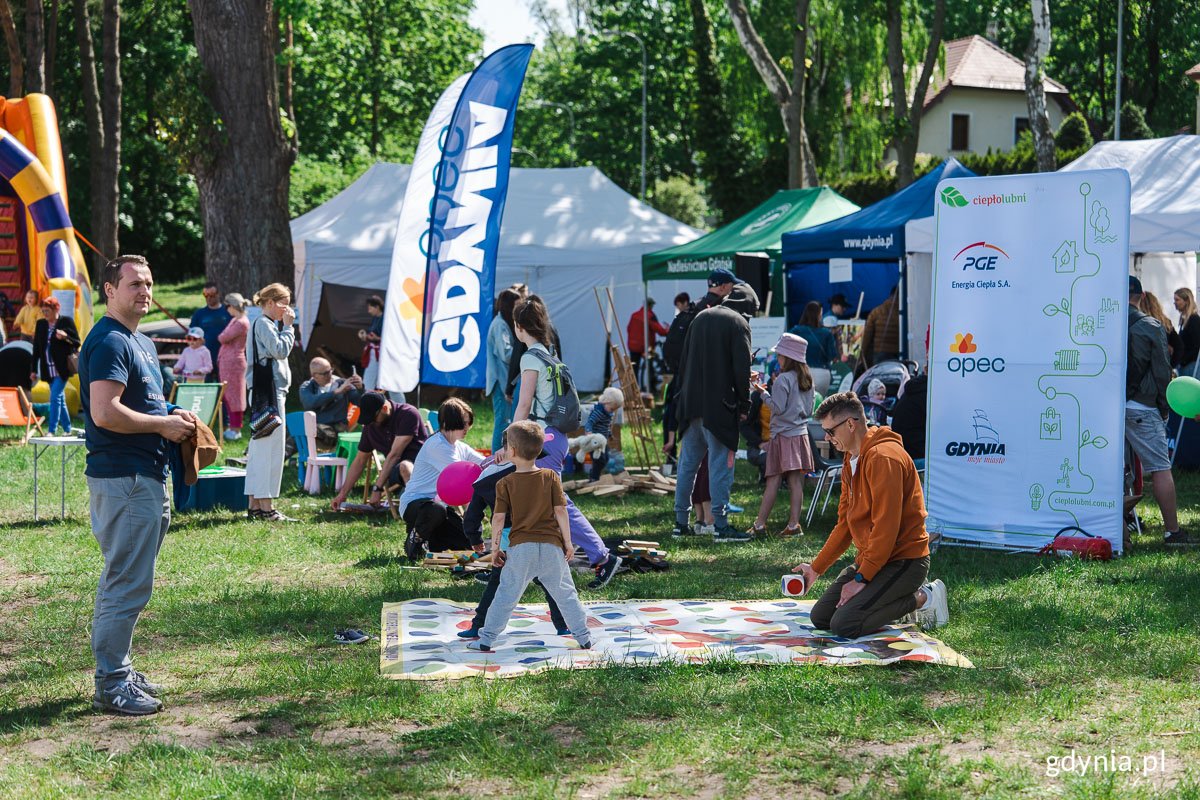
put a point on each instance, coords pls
(16, 411)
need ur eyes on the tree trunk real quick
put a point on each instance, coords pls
(35, 47)
(242, 176)
(1035, 86)
(801, 170)
(51, 47)
(93, 115)
(288, 82)
(106, 207)
(16, 63)
(714, 136)
(906, 115)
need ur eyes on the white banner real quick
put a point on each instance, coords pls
(400, 353)
(1027, 358)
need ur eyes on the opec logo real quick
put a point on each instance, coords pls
(980, 256)
(964, 362)
(987, 447)
(955, 199)
(766, 219)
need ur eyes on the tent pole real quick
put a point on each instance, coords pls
(902, 307)
(645, 370)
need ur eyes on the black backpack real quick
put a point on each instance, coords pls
(563, 413)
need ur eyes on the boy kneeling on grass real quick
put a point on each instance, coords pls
(484, 497)
(532, 502)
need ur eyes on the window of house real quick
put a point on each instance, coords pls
(1020, 125)
(960, 132)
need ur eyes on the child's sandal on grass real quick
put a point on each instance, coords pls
(792, 530)
(757, 530)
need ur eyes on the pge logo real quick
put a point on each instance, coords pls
(963, 364)
(977, 256)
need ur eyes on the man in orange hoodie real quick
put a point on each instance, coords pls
(882, 511)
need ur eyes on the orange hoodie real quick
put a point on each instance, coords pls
(882, 508)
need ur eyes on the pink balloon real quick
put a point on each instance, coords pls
(454, 484)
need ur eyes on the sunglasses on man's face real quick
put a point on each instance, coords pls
(833, 431)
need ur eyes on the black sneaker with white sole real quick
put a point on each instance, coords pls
(1179, 538)
(350, 636)
(681, 531)
(727, 533)
(605, 572)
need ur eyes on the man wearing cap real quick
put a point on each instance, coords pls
(211, 319)
(388, 427)
(714, 393)
(129, 428)
(637, 331)
(195, 362)
(329, 398)
(1147, 373)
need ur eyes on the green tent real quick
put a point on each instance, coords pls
(757, 231)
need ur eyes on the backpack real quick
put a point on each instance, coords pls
(673, 343)
(564, 413)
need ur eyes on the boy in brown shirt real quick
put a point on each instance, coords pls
(531, 502)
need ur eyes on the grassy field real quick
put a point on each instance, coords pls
(1090, 658)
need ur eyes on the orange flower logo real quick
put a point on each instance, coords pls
(412, 304)
(963, 344)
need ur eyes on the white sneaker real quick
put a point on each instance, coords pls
(706, 530)
(936, 612)
(231, 435)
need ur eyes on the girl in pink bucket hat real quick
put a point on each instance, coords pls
(789, 454)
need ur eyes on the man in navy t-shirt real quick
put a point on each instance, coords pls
(128, 425)
(211, 319)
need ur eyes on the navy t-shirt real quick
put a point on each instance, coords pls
(212, 321)
(112, 352)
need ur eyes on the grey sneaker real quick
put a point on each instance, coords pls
(936, 612)
(728, 533)
(140, 680)
(125, 698)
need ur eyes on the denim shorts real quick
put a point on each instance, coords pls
(1147, 435)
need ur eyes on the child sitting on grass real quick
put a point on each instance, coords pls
(600, 422)
(531, 501)
(483, 498)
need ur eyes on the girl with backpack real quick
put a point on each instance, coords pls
(540, 398)
(788, 451)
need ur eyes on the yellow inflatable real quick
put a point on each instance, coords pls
(41, 394)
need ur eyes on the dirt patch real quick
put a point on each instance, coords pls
(18, 589)
(378, 741)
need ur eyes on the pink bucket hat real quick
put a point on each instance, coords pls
(793, 346)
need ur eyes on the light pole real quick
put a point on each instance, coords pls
(570, 117)
(642, 44)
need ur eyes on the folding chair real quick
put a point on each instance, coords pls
(316, 461)
(294, 422)
(16, 411)
(828, 473)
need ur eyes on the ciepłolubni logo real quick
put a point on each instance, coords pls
(955, 199)
(987, 447)
(963, 362)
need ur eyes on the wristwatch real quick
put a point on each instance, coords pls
(858, 578)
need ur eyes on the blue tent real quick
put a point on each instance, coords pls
(872, 238)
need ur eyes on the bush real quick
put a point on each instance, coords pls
(313, 182)
(1074, 133)
(1133, 123)
(679, 197)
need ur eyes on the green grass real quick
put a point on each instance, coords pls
(1076, 656)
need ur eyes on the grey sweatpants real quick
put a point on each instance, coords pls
(547, 563)
(130, 517)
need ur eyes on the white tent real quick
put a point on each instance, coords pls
(1164, 223)
(564, 232)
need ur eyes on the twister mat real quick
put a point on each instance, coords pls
(419, 639)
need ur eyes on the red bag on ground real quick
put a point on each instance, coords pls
(1084, 545)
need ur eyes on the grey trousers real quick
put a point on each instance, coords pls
(548, 564)
(130, 517)
(890, 595)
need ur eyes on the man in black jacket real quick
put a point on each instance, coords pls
(1147, 373)
(714, 394)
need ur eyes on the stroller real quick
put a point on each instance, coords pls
(892, 374)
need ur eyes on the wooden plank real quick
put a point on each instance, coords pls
(611, 491)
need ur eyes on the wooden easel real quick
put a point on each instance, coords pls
(637, 416)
